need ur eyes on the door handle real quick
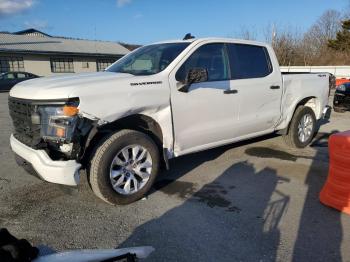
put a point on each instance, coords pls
(230, 91)
(275, 87)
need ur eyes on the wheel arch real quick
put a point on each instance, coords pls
(311, 101)
(137, 122)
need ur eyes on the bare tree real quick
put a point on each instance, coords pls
(325, 28)
(292, 47)
(310, 48)
(245, 33)
(316, 39)
(285, 41)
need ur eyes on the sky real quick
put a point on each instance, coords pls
(147, 21)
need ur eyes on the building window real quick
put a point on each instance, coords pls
(102, 64)
(62, 65)
(10, 64)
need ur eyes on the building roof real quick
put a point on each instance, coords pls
(31, 31)
(32, 43)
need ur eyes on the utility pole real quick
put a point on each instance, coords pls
(273, 34)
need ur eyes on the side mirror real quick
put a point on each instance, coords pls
(194, 75)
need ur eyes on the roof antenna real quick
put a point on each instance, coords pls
(188, 36)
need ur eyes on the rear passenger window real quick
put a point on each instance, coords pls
(248, 61)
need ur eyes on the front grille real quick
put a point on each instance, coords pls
(21, 111)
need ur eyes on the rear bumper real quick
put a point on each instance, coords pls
(59, 172)
(326, 114)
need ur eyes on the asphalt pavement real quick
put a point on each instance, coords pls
(252, 201)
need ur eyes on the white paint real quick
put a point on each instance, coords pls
(204, 117)
(95, 255)
(59, 172)
(300, 86)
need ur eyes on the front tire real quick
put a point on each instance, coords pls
(124, 167)
(302, 128)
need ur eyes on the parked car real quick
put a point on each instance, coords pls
(9, 79)
(341, 100)
(340, 81)
(159, 102)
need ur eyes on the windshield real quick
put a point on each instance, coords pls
(148, 60)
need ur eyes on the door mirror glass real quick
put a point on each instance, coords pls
(194, 75)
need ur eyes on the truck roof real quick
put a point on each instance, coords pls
(214, 39)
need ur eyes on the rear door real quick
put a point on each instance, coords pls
(258, 85)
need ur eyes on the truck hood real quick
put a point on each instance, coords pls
(105, 96)
(65, 86)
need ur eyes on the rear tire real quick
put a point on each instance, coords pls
(113, 165)
(302, 128)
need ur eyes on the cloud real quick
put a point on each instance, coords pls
(121, 3)
(9, 7)
(37, 24)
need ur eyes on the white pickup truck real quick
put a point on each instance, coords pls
(158, 102)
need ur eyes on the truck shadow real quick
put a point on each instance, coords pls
(239, 216)
(180, 166)
(218, 222)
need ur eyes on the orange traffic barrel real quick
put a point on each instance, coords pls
(336, 191)
(340, 81)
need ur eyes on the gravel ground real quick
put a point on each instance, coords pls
(252, 201)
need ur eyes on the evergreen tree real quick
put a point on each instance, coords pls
(342, 41)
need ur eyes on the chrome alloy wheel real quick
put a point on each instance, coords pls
(130, 169)
(305, 128)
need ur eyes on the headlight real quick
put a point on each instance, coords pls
(341, 88)
(58, 122)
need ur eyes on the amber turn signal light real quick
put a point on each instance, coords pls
(70, 110)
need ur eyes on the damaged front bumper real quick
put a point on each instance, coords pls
(59, 172)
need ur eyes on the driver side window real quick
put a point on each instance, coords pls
(212, 57)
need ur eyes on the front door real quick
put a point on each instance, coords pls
(205, 115)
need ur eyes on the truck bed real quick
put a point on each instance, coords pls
(301, 86)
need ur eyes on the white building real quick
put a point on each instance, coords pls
(41, 54)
